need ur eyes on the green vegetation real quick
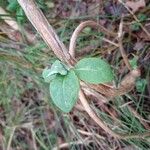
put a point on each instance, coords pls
(28, 117)
(64, 82)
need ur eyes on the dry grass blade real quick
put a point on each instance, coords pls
(66, 145)
(90, 134)
(10, 138)
(120, 37)
(34, 141)
(14, 28)
(8, 19)
(16, 59)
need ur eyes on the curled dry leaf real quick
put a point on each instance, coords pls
(136, 5)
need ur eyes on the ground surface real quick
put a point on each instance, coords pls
(28, 118)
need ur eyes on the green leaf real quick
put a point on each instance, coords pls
(56, 68)
(12, 6)
(135, 26)
(133, 62)
(142, 17)
(141, 84)
(20, 15)
(48, 75)
(59, 67)
(64, 91)
(94, 70)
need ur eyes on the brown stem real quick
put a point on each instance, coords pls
(46, 31)
(103, 125)
(94, 116)
(80, 28)
(128, 82)
(112, 92)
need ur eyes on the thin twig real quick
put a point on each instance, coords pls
(110, 42)
(66, 145)
(91, 134)
(143, 28)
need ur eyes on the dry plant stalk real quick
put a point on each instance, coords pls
(48, 34)
(46, 31)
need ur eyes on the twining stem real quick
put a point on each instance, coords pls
(130, 78)
(94, 116)
(103, 125)
(81, 26)
(128, 82)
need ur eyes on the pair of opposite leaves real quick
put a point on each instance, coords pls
(64, 82)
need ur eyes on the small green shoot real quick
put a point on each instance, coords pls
(64, 83)
(135, 26)
(142, 17)
(14, 7)
(133, 62)
(140, 85)
(56, 68)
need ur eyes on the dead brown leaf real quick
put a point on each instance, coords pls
(136, 5)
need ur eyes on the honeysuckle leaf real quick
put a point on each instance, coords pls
(56, 68)
(64, 91)
(94, 70)
(48, 75)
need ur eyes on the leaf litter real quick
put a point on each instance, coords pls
(30, 101)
